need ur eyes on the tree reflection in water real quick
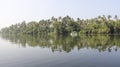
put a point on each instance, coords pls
(67, 43)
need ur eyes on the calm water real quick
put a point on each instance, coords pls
(60, 51)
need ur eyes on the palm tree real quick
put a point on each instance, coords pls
(109, 17)
(104, 18)
(99, 17)
(116, 17)
(60, 18)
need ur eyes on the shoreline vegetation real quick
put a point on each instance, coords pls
(67, 26)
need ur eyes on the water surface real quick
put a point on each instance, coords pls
(59, 51)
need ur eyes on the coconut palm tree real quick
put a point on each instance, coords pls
(116, 17)
(109, 17)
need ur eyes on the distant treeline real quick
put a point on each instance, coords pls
(67, 25)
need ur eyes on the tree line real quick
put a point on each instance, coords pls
(67, 25)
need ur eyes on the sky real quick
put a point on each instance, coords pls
(16, 11)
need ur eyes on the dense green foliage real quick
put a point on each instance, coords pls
(67, 25)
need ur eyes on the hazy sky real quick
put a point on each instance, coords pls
(15, 11)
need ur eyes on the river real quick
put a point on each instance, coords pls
(60, 51)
